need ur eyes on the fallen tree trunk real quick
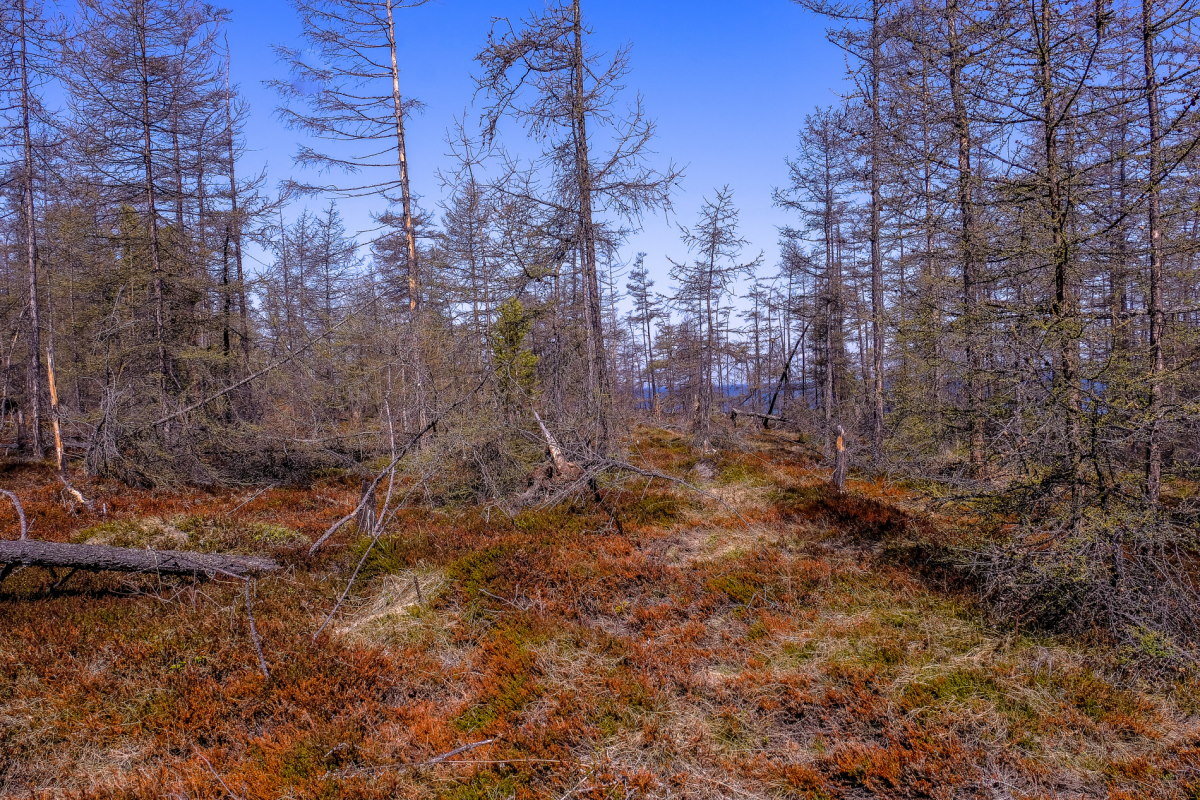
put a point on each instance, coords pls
(737, 412)
(553, 475)
(102, 558)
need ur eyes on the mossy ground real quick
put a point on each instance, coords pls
(762, 644)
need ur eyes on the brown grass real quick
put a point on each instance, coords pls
(690, 657)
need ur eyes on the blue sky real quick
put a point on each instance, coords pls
(728, 84)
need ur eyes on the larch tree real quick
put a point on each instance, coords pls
(542, 74)
(706, 282)
(819, 177)
(345, 93)
(28, 58)
(647, 310)
(862, 33)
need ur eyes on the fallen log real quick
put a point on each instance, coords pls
(734, 413)
(550, 476)
(102, 558)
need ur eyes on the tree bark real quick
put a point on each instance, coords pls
(152, 237)
(410, 233)
(876, 181)
(1064, 308)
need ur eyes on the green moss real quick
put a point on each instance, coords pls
(273, 534)
(513, 693)
(740, 586)
(757, 630)
(555, 521)
(485, 786)
(194, 532)
(384, 556)
(303, 760)
(880, 654)
(731, 731)
(797, 501)
(479, 568)
(653, 509)
(1146, 643)
(738, 473)
(140, 533)
(953, 686)
(626, 707)
(796, 653)
(220, 534)
(1092, 696)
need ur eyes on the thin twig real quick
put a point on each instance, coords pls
(308, 345)
(459, 750)
(380, 526)
(16, 501)
(254, 637)
(217, 775)
(248, 500)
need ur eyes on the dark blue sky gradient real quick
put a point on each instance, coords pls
(728, 84)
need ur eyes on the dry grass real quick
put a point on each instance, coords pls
(393, 606)
(691, 656)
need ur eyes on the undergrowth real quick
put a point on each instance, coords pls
(806, 646)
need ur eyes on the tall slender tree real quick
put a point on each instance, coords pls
(542, 74)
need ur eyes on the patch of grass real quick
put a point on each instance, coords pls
(652, 509)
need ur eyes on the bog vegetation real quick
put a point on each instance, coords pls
(909, 511)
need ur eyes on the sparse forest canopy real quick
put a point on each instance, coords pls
(987, 290)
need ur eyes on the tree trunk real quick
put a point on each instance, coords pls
(1064, 309)
(410, 233)
(967, 240)
(877, 299)
(152, 243)
(30, 231)
(1154, 301)
(412, 252)
(597, 366)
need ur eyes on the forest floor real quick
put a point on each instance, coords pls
(774, 642)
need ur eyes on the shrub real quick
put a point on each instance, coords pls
(1124, 575)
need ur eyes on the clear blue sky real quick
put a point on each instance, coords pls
(728, 83)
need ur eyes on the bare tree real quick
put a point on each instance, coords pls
(348, 94)
(705, 283)
(541, 74)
